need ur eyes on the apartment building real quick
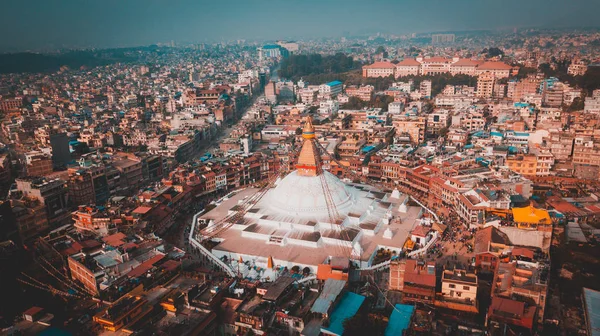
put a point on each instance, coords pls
(538, 164)
(560, 145)
(413, 125)
(485, 85)
(364, 93)
(459, 285)
(586, 150)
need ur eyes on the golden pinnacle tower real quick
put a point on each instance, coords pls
(309, 160)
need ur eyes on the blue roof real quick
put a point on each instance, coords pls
(521, 104)
(399, 320)
(367, 149)
(270, 46)
(592, 307)
(334, 83)
(346, 308)
(498, 134)
(521, 134)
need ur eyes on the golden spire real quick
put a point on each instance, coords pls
(309, 161)
(309, 131)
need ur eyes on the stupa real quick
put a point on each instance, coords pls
(311, 216)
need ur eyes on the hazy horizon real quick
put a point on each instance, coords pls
(37, 25)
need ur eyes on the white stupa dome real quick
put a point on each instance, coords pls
(303, 196)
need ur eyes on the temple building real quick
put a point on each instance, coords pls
(309, 217)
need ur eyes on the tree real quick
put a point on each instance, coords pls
(382, 102)
(444, 132)
(576, 105)
(297, 66)
(354, 103)
(493, 52)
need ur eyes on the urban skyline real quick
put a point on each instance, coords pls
(37, 25)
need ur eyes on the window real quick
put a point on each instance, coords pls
(466, 287)
(452, 286)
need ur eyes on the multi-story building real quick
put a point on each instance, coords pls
(459, 285)
(440, 65)
(364, 93)
(526, 86)
(329, 107)
(586, 150)
(331, 89)
(534, 164)
(497, 69)
(395, 107)
(523, 164)
(379, 69)
(414, 126)
(272, 51)
(408, 67)
(592, 104)
(8, 104)
(442, 38)
(522, 282)
(88, 184)
(61, 154)
(472, 121)
(434, 65)
(485, 85)
(414, 279)
(125, 312)
(31, 218)
(437, 121)
(560, 145)
(89, 219)
(308, 95)
(38, 163)
(425, 89)
(472, 206)
(577, 68)
(52, 193)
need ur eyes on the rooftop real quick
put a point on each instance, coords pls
(346, 308)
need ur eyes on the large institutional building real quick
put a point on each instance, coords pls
(438, 65)
(310, 216)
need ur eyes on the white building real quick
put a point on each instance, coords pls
(395, 107)
(329, 107)
(592, 104)
(331, 89)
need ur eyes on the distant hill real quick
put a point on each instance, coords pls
(32, 62)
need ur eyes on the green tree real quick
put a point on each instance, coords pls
(354, 103)
(493, 52)
(576, 105)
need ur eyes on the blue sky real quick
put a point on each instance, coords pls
(35, 24)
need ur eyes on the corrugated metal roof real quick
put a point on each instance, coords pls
(330, 292)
